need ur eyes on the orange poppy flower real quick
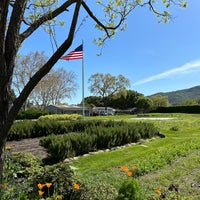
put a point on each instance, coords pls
(124, 168)
(158, 191)
(8, 147)
(40, 192)
(129, 173)
(48, 185)
(4, 185)
(134, 167)
(76, 186)
(40, 185)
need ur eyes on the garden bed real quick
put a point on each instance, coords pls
(30, 145)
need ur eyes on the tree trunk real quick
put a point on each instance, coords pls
(3, 133)
(2, 159)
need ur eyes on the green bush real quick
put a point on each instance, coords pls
(60, 176)
(21, 129)
(18, 173)
(23, 172)
(130, 190)
(31, 129)
(21, 165)
(61, 117)
(106, 135)
(31, 113)
(39, 128)
(174, 128)
(98, 191)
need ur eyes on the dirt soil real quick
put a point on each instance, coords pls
(28, 145)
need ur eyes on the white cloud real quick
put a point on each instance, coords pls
(189, 67)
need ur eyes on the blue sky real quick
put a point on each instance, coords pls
(155, 57)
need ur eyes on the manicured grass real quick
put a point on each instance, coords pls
(173, 159)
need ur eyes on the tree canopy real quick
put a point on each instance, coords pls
(54, 87)
(106, 85)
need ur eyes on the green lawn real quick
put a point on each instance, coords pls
(163, 161)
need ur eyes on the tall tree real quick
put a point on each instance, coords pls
(53, 88)
(159, 101)
(25, 67)
(93, 101)
(125, 99)
(19, 19)
(144, 104)
(105, 85)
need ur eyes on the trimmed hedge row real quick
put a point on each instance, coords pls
(179, 109)
(39, 128)
(61, 117)
(106, 135)
(32, 129)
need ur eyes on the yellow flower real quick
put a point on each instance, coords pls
(76, 186)
(134, 167)
(40, 185)
(158, 191)
(59, 197)
(129, 173)
(48, 185)
(4, 185)
(8, 147)
(124, 168)
(40, 192)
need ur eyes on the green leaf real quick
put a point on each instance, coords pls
(139, 1)
(118, 2)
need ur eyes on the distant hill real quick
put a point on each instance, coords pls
(180, 96)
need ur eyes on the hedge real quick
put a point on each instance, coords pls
(106, 135)
(31, 113)
(179, 109)
(31, 129)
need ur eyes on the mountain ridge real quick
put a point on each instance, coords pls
(180, 96)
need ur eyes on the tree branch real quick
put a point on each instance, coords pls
(47, 67)
(3, 20)
(12, 39)
(44, 18)
(105, 28)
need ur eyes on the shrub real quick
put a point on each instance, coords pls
(27, 163)
(105, 135)
(18, 173)
(24, 175)
(98, 191)
(20, 130)
(21, 165)
(60, 176)
(130, 190)
(31, 113)
(174, 128)
(61, 117)
(31, 129)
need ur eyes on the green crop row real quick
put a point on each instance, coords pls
(107, 134)
(31, 129)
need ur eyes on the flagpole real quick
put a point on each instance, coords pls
(83, 103)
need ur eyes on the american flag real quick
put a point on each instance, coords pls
(75, 54)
